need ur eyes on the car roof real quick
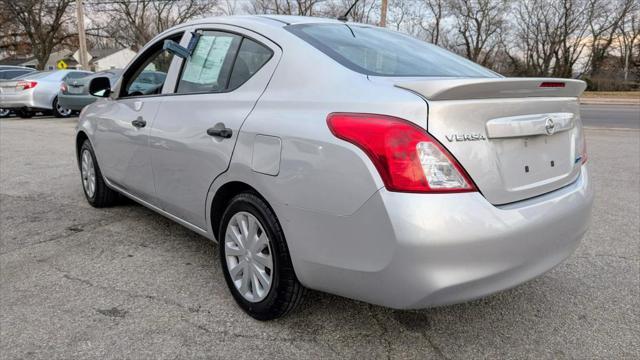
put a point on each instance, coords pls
(259, 23)
(274, 20)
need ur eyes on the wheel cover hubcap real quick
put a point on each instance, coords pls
(88, 173)
(63, 111)
(248, 256)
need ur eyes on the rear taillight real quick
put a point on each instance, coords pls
(63, 88)
(406, 156)
(26, 85)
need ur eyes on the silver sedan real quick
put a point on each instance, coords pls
(37, 92)
(344, 158)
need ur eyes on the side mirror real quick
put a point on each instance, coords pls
(100, 86)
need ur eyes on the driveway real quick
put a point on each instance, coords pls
(124, 282)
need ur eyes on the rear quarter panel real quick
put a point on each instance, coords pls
(322, 181)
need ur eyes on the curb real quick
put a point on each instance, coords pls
(609, 101)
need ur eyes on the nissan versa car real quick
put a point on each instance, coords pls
(343, 158)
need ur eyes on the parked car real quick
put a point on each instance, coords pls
(36, 92)
(74, 93)
(345, 158)
(13, 67)
(12, 72)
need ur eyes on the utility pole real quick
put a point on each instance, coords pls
(82, 37)
(383, 13)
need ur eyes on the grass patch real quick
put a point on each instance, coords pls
(612, 94)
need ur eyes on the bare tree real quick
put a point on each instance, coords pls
(478, 24)
(536, 37)
(228, 7)
(604, 22)
(365, 11)
(398, 14)
(433, 28)
(44, 23)
(284, 7)
(628, 40)
(572, 23)
(132, 23)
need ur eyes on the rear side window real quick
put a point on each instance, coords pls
(380, 52)
(251, 57)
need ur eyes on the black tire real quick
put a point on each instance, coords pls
(24, 114)
(103, 196)
(4, 113)
(286, 292)
(57, 113)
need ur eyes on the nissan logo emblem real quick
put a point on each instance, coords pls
(549, 126)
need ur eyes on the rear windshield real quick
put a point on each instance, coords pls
(379, 52)
(40, 75)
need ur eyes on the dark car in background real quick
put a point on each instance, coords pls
(12, 72)
(74, 93)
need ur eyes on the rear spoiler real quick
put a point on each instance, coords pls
(494, 88)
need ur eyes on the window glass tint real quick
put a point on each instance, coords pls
(10, 74)
(39, 75)
(76, 75)
(207, 69)
(149, 77)
(251, 57)
(379, 52)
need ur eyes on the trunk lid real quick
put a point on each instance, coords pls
(8, 86)
(517, 138)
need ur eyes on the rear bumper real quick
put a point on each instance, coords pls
(75, 102)
(18, 100)
(420, 250)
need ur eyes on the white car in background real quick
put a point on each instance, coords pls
(35, 92)
(12, 72)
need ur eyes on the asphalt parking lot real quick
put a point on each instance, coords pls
(124, 282)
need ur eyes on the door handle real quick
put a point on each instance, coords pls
(220, 131)
(139, 122)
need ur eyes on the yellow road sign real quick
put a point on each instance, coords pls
(61, 65)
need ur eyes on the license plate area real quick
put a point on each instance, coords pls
(75, 89)
(534, 161)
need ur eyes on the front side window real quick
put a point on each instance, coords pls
(222, 62)
(150, 73)
(380, 52)
(208, 67)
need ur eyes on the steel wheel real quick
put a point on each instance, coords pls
(4, 112)
(248, 256)
(88, 173)
(63, 111)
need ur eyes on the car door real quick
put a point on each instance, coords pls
(122, 134)
(194, 133)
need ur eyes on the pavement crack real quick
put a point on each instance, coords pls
(434, 346)
(385, 331)
(127, 293)
(228, 334)
(68, 232)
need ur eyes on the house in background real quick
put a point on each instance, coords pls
(106, 59)
(99, 59)
(19, 61)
